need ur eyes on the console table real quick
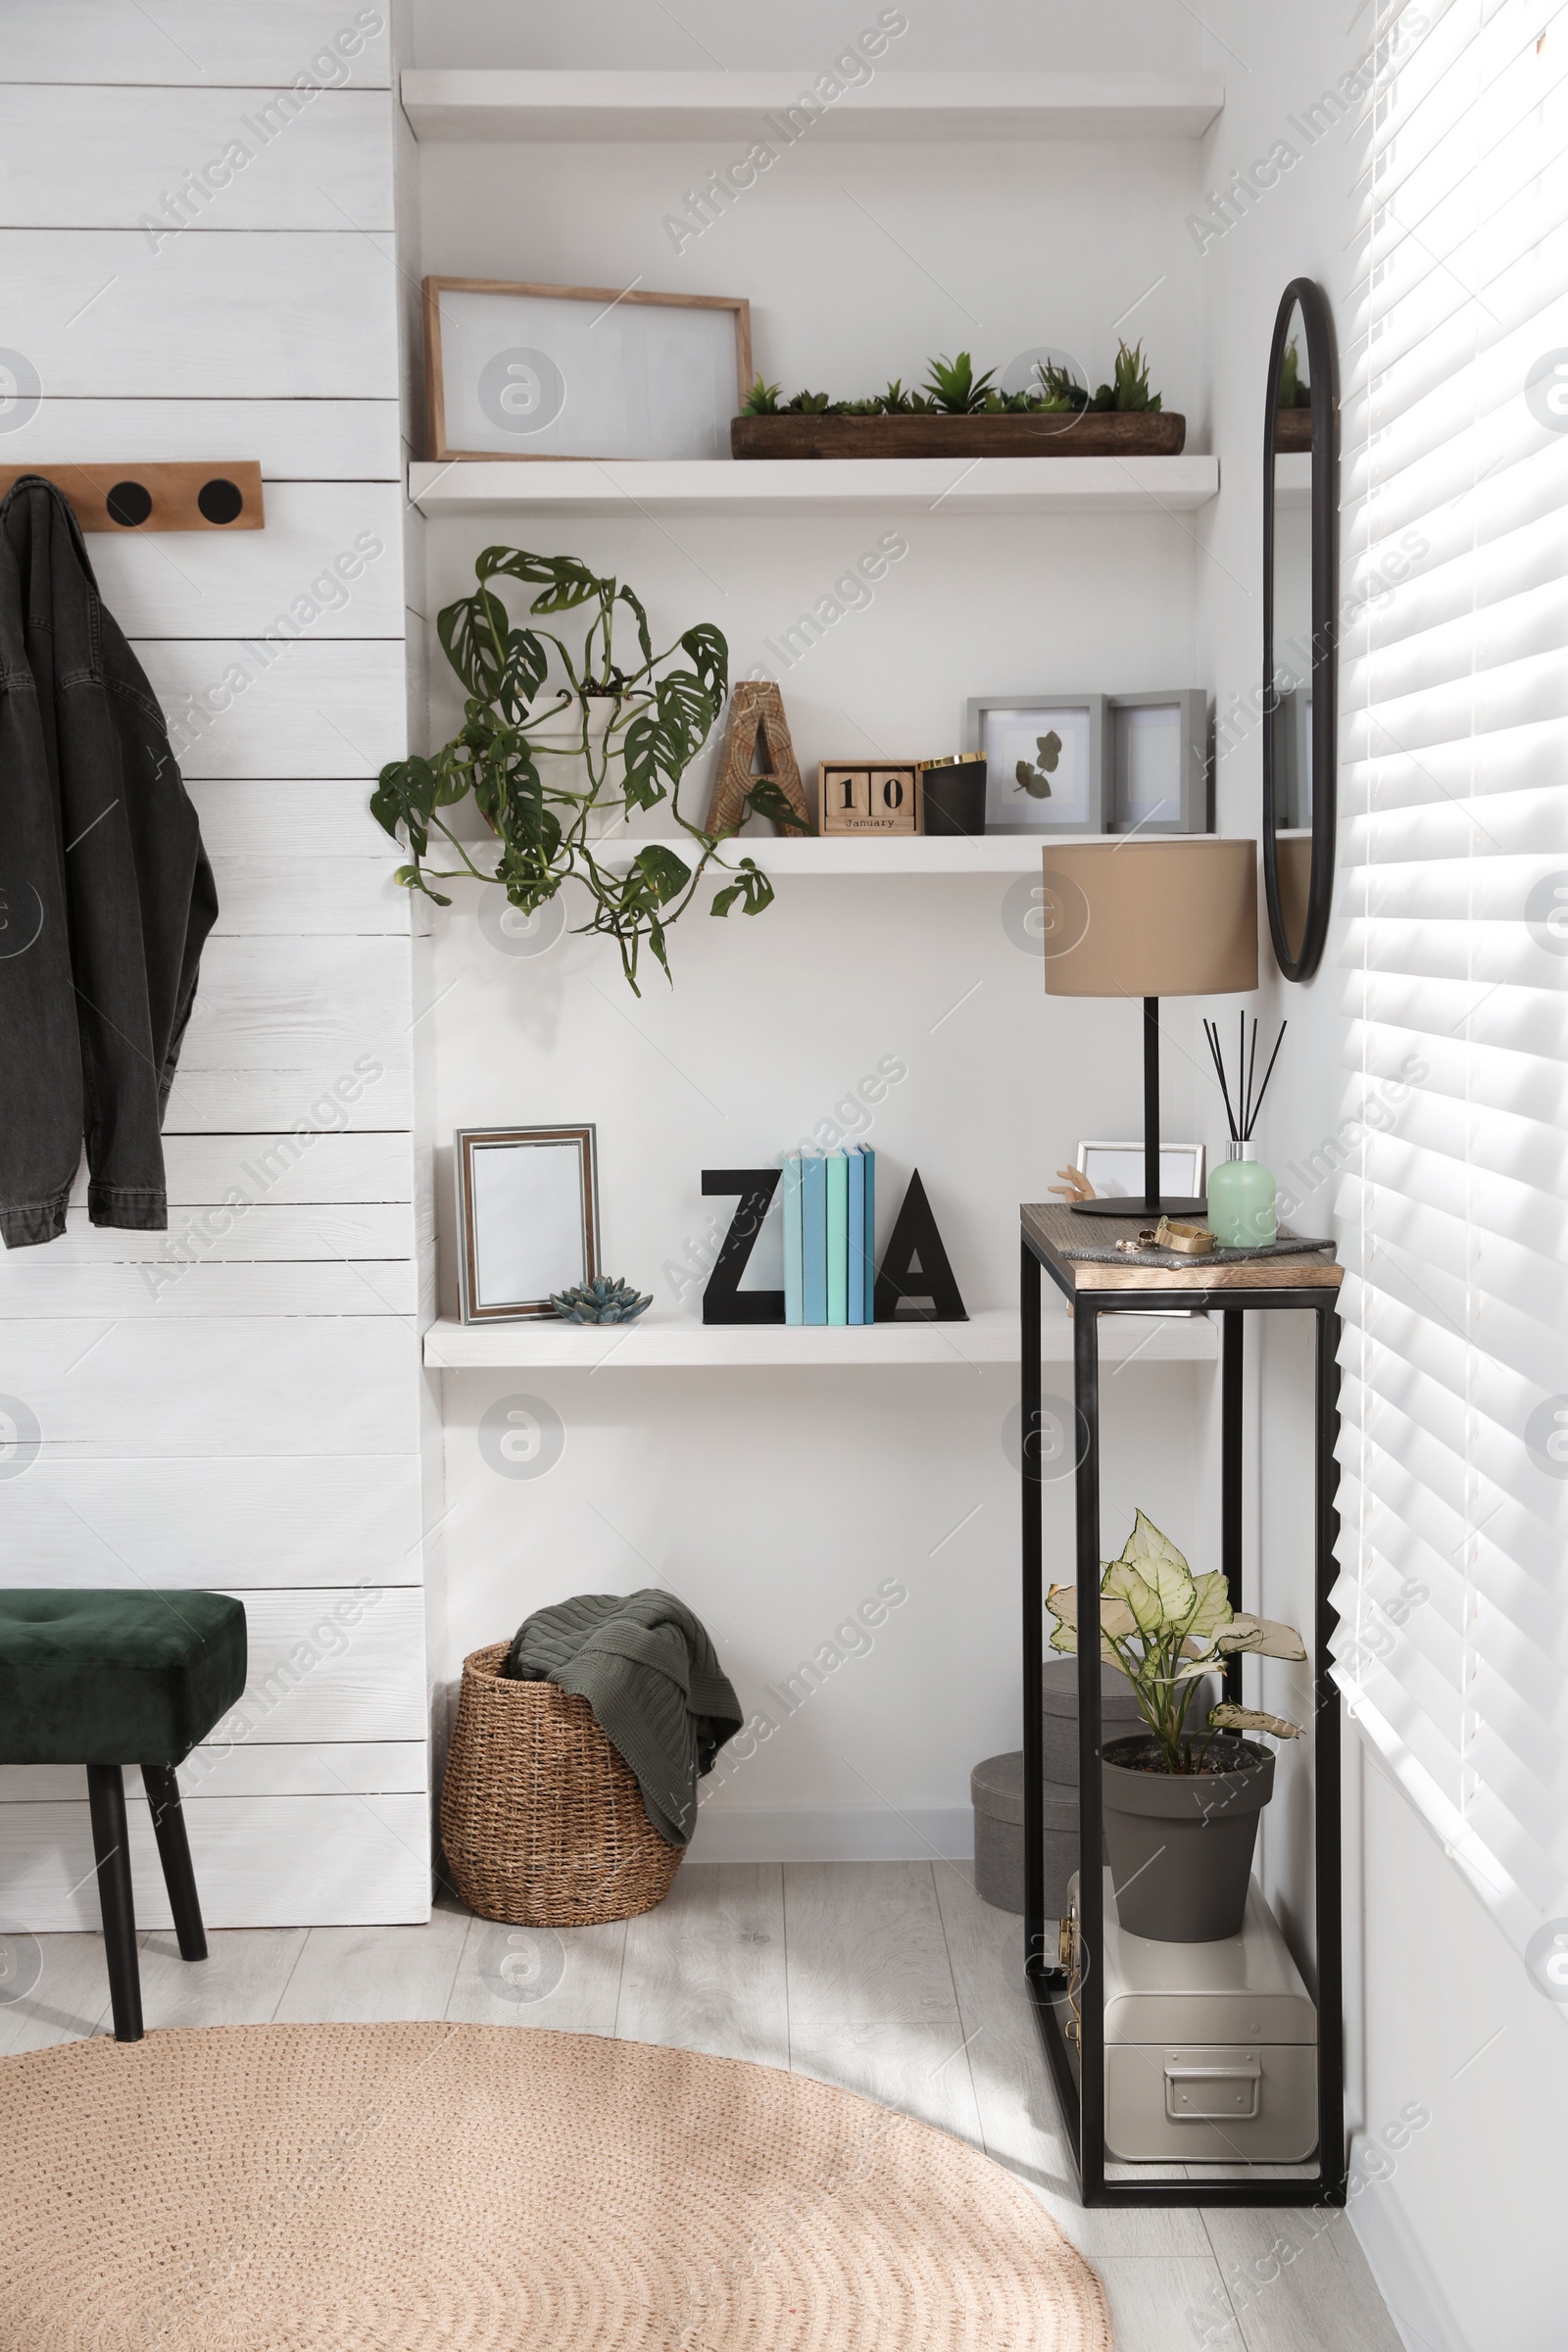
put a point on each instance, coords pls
(1308, 1284)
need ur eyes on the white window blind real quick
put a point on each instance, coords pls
(1454, 1589)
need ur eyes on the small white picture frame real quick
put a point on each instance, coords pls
(530, 372)
(527, 1218)
(1116, 1170)
(1045, 761)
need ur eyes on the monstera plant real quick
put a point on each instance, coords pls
(556, 740)
(1165, 1629)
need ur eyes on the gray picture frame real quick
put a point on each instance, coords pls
(1187, 793)
(1038, 817)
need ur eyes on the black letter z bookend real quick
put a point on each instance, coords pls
(723, 1301)
(915, 1284)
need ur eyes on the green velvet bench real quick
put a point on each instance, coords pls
(110, 1679)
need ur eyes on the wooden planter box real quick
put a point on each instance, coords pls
(1110, 434)
(1293, 429)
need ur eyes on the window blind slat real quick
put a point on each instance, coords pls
(1469, 1591)
(1518, 1084)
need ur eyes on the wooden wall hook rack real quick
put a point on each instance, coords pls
(223, 496)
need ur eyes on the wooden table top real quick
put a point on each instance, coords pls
(1054, 1229)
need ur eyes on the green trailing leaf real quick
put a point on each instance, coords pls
(564, 581)
(665, 874)
(767, 796)
(473, 635)
(1227, 1718)
(708, 653)
(625, 596)
(751, 887)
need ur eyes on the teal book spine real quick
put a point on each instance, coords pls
(813, 1238)
(838, 1238)
(868, 1233)
(857, 1314)
(794, 1287)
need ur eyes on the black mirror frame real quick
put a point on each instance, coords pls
(1322, 361)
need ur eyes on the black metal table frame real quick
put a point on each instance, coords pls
(1046, 1982)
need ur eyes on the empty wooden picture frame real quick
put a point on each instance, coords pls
(527, 1217)
(1158, 748)
(1045, 761)
(521, 371)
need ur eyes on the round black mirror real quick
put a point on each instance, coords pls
(1300, 638)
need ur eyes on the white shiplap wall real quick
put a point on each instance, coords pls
(237, 1405)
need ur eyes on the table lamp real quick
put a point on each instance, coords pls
(1173, 917)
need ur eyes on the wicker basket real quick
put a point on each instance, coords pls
(543, 1824)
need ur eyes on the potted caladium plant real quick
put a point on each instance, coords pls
(1182, 1799)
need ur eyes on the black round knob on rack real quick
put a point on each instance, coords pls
(220, 501)
(128, 503)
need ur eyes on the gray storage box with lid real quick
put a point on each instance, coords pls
(1210, 2048)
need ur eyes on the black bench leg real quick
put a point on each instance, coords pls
(106, 1795)
(174, 1851)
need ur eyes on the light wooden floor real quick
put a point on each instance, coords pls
(892, 1978)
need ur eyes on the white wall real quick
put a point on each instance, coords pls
(775, 1502)
(236, 1403)
(1460, 2217)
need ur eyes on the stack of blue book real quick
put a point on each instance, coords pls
(830, 1237)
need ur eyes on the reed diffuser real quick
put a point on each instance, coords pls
(1240, 1190)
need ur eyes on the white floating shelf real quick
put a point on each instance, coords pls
(590, 486)
(449, 104)
(680, 1343)
(779, 856)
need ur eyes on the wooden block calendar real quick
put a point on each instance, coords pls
(869, 796)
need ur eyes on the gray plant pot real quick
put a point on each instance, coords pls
(1181, 1847)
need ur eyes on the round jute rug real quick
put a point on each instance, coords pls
(486, 2189)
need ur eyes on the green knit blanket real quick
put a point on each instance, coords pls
(650, 1673)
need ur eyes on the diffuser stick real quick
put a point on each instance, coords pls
(1252, 1065)
(1267, 1075)
(1212, 1032)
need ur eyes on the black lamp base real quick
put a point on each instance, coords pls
(1139, 1208)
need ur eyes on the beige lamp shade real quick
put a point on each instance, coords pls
(1174, 917)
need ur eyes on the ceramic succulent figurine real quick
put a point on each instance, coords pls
(604, 1299)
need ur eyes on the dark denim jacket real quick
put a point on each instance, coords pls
(105, 895)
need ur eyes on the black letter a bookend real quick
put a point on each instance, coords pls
(915, 1284)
